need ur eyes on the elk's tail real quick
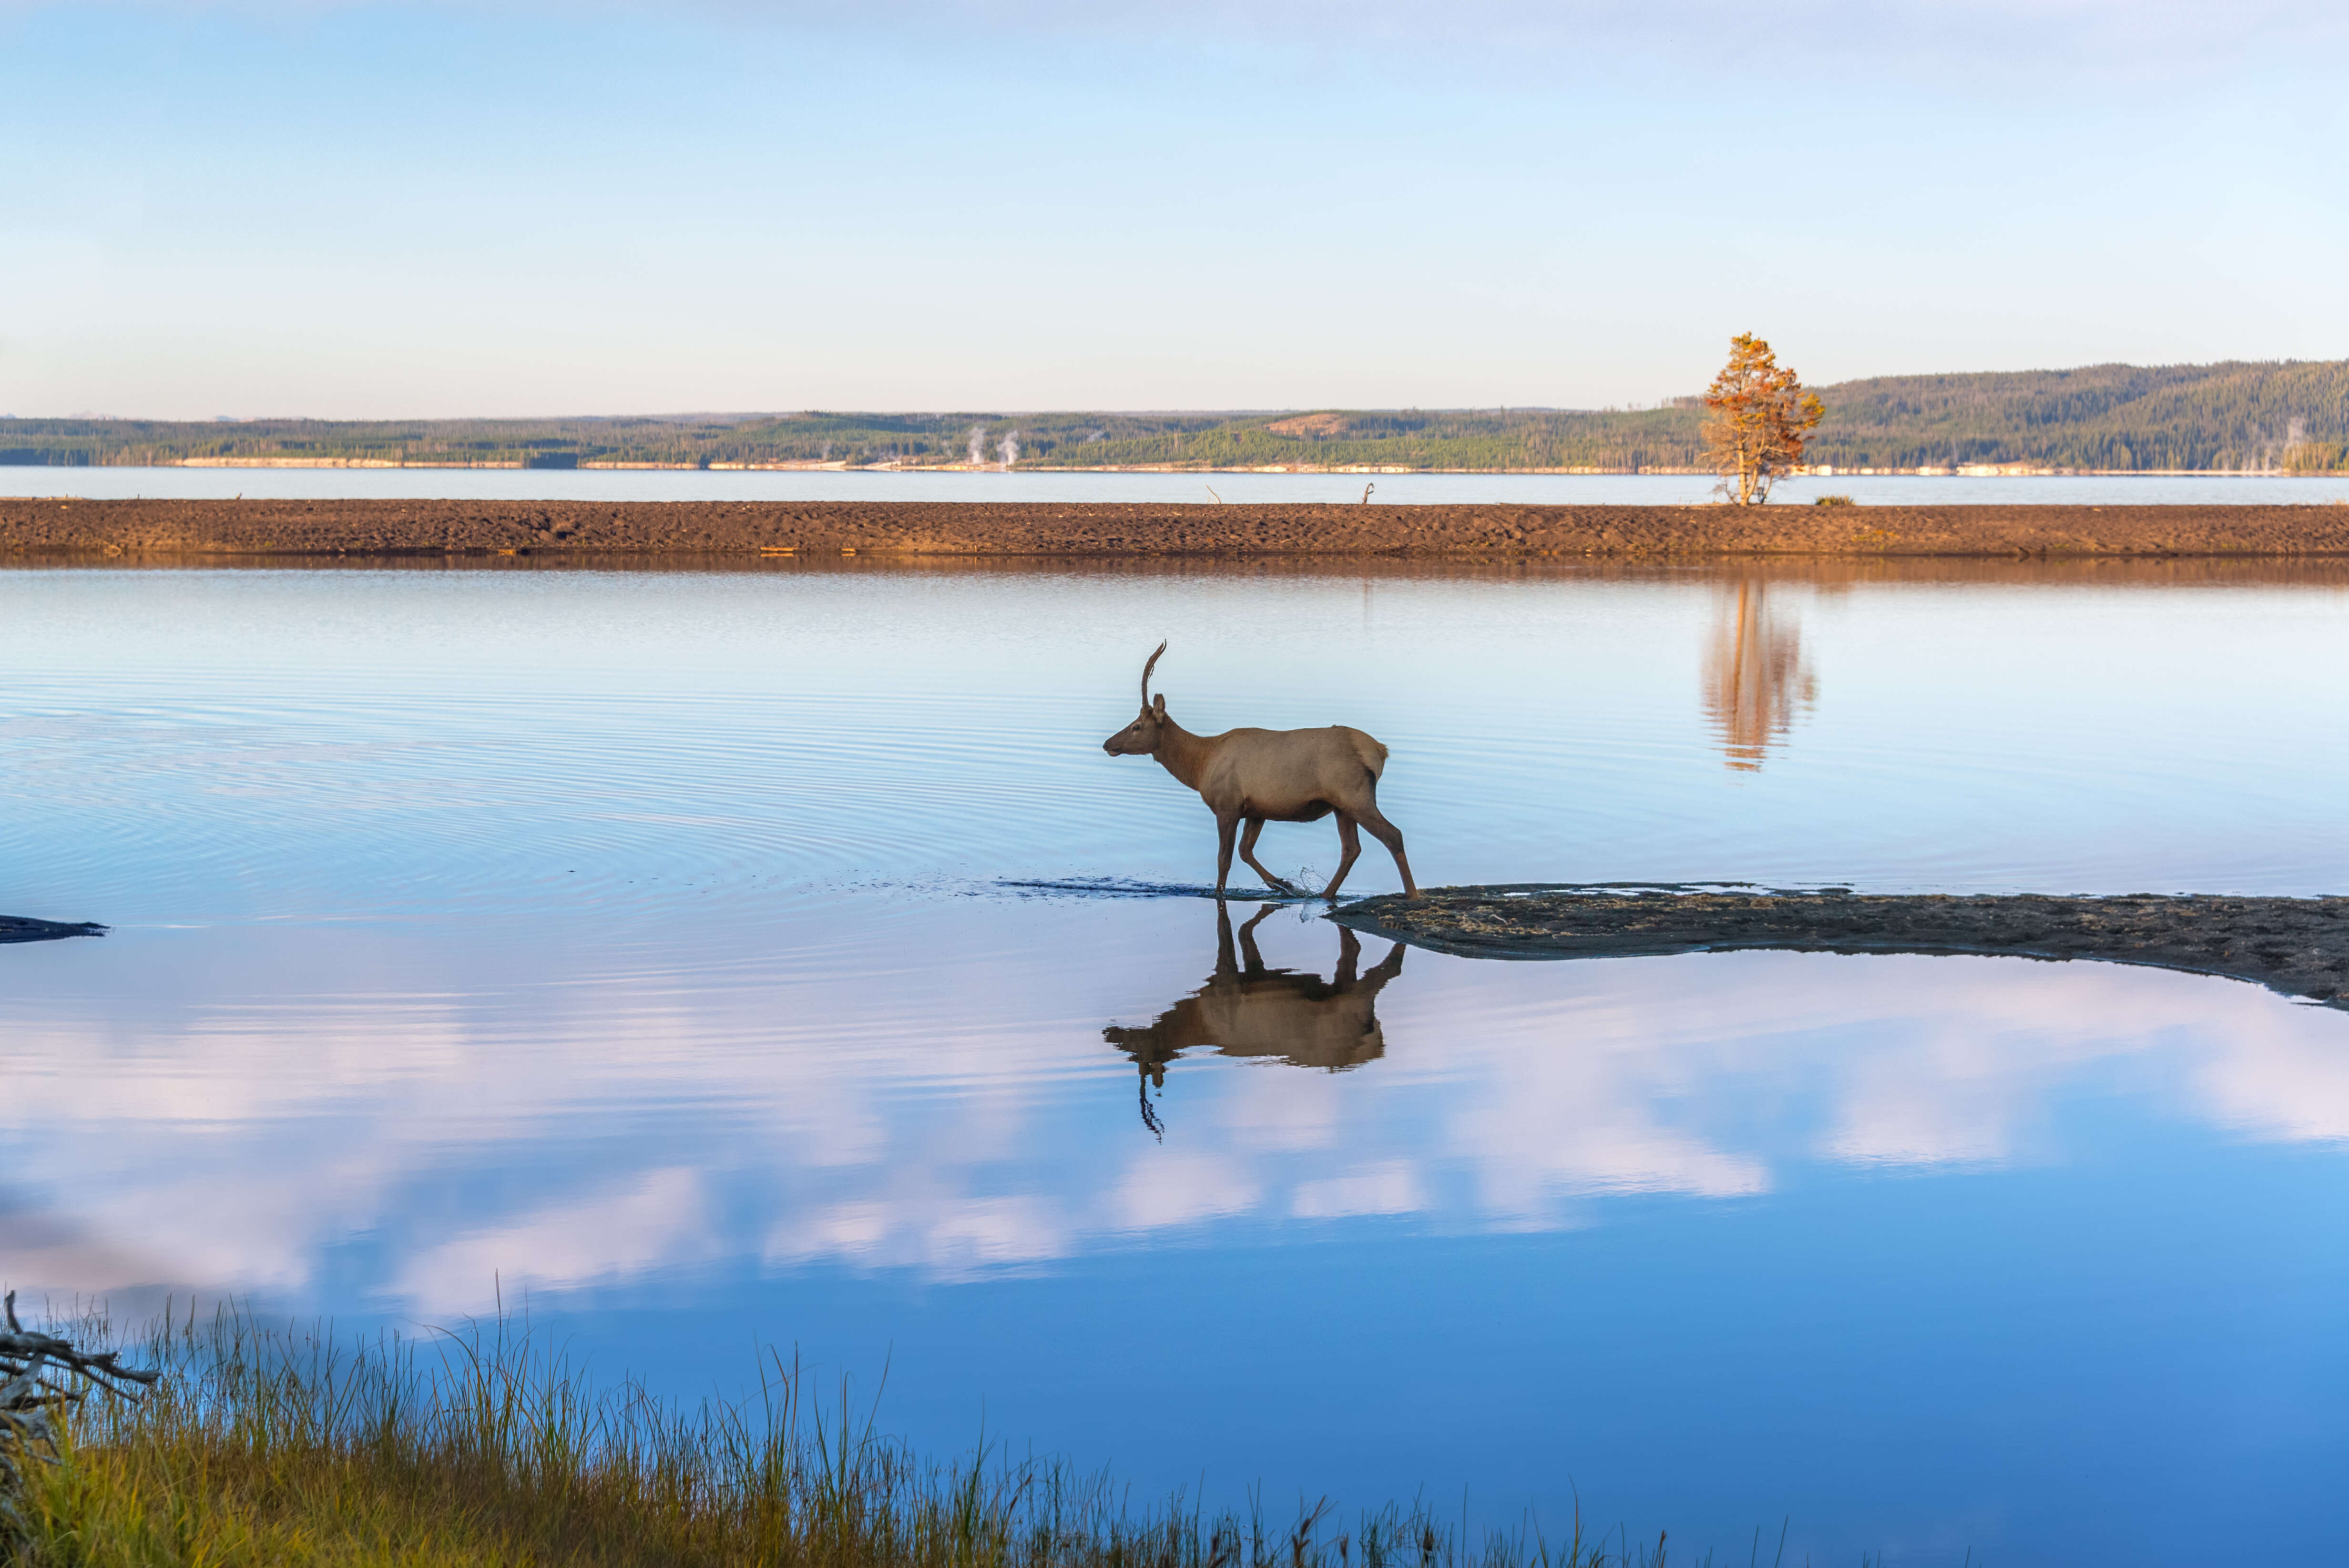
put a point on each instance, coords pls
(1374, 755)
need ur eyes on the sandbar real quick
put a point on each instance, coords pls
(24, 928)
(179, 528)
(2299, 946)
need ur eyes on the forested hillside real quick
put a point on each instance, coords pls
(2290, 416)
(2121, 417)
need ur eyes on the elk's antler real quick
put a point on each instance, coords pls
(1145, 674)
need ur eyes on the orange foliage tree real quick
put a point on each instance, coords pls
(1759, 415)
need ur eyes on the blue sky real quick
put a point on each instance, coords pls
(352, 211)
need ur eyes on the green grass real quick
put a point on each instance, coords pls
(273, 1446)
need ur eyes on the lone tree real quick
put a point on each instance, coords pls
(1758, 417)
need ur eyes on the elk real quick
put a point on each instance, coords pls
(1260, 776)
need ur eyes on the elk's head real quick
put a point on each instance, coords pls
(1140, 739)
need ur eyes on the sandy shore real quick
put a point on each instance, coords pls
(2299, 946)
(167, 528)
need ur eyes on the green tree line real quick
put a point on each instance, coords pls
(2290, 416)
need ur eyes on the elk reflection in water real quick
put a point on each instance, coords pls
(1247, 1008)
(1754, 675)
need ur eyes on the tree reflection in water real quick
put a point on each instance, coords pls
(1754, 675)
(1247, 1009)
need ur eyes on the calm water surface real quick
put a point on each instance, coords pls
(635, 943)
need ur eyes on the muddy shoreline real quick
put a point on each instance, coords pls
(62, 528)
(2298, 946)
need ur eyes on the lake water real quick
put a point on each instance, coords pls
(634, 945)
(798, 485)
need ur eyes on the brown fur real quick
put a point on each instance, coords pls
(1260, 776)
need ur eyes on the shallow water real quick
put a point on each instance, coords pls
(635, 943)
(1033, 485)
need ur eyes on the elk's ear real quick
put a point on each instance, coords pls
(1158, 704)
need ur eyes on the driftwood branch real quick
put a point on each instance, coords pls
(27, 1431)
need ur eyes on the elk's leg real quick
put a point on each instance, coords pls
(1226, 963)
(1248, 952)
(1389, 835)
(1247, 853)
(1224, 828)
(1350, 847)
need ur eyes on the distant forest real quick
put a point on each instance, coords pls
(2289, 417)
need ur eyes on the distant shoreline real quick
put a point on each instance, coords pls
(2234, 417)
(590, 530)
(1369, 470)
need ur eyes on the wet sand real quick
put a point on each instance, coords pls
(2299, 946)
(584, 529)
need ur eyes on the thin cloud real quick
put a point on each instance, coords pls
(1717, 34)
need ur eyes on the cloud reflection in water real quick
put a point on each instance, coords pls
(554, 1127)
